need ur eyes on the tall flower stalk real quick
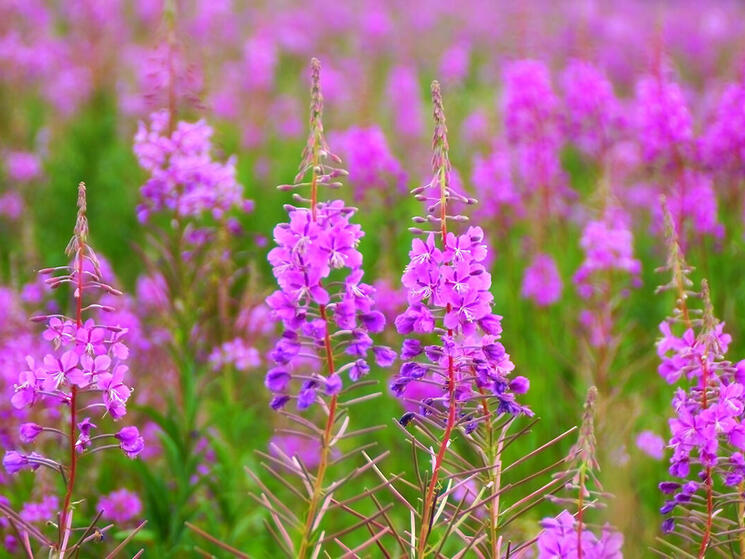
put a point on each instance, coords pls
(85, 372)
(707, 430)
(327, 313)
(448, 296)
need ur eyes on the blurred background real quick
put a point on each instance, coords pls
(559, 114)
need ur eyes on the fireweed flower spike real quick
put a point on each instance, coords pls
(602, 281)
(707, 430)
(448, 296)
(326, 310)
(84, 370)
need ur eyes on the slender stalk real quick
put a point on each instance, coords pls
(80, 240)
(741, 518)
(580, 511)
(708, 481)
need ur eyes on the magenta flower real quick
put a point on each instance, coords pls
(184, 179)
(558, 540)
(593, 117)
(305, 449)
(651, 444)
(541, 281)
(130, 441)
(317, 241)
(372, 166)
(42, 511)
(90, 339)
(60, 369)
(448, 295)
(22, 166)
(115, 392)
(608, 247)
(28, 432)
(120, 506)
(75, 373)
(662, 119)
(28, 384)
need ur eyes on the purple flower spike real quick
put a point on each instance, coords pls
(317, 241)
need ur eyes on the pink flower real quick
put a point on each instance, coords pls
(541, 281)
(120, 506)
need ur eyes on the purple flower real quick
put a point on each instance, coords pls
(333, 384)
(183, 177)
(29, 431)
(558, 540)
(541, 281)
(448, 287)
(43, 511)
(307, 450)
(372, 167)
(115, 392)
(90, 339)
(130, 441)
(651, 444)
(593, 114)
(61, 369)
(236, 353)
(530, 106)
(14, 462)
(662, 119)
(22, 166)
(28, 384)
(315, 243)
(120, 506)
(608, 246)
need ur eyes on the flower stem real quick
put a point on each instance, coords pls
(741, 518)
(580, 510)
(64, 521)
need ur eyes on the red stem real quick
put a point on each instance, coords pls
(73, 406)
(429, 496)
(708, 480)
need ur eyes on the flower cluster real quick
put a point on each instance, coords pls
(662, 119)
(491, 176)
(542, 281)
(593, 114)
(237, 353)
(120, 506)
(448, 295)
(608, 246)
(319, 271)
(559, 540)
(84, 359)
(723, 142)
(710, 414)
(707, 433)
(371, 165)
(184, 178)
